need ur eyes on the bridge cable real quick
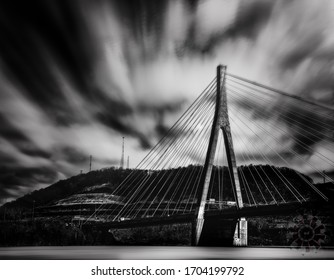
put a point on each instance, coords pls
(187, 144)
(273, 168)
(280, 175)
(295, 120)
(299, 141)
(166, 162)
(311, 185)
(265, 174)
(278, 102)
(198, 100)
(281, 92)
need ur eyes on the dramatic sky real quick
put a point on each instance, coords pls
(77, 75)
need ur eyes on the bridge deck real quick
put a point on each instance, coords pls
(228, 213)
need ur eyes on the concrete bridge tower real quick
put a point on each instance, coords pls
(221, 121)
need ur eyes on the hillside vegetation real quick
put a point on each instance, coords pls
(263, 181)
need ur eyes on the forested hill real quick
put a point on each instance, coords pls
(106, 180)
(111, 177)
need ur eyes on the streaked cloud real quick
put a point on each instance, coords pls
(76, 76)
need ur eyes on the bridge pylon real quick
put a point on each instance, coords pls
(220, 121)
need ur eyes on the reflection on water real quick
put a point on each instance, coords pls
(160, 252)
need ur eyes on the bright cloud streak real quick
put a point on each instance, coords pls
(111, 69)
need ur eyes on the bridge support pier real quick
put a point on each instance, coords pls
(215, 233)
(241, 233)
(221, 232)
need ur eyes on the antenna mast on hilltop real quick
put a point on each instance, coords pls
(90, 163)
(122, 158)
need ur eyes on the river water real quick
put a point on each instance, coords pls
(159, 252)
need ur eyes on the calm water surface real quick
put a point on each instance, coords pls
(159, 252)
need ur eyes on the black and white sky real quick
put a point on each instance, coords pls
(78, 75)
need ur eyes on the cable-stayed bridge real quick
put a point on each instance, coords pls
(191, 175)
